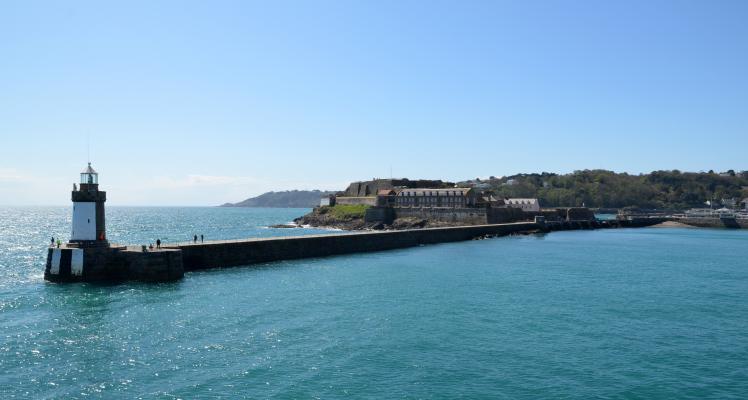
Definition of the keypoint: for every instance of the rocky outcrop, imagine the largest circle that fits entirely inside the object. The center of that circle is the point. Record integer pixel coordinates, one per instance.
(321, 217)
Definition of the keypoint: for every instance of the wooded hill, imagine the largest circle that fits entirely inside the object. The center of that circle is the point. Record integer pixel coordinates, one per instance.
(601, 188)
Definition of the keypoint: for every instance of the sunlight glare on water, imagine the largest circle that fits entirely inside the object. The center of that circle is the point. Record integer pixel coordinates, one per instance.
(628, 313)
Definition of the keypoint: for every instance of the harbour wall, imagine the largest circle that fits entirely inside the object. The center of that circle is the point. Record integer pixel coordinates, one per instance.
(252, 251)
(704, 222)
(196, 256)
(112, 263)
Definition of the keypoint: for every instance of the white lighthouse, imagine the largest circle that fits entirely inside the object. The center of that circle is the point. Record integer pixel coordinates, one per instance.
(89, 228)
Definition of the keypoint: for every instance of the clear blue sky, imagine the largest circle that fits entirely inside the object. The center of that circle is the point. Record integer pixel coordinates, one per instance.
(198, 103)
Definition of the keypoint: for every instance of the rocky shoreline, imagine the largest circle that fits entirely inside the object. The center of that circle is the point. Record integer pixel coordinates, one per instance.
(320, 218)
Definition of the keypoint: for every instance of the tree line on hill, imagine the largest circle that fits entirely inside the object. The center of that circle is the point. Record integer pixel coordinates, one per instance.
(601, 188)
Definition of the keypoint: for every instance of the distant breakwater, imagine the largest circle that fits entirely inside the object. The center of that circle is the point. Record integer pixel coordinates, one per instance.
(714, 222)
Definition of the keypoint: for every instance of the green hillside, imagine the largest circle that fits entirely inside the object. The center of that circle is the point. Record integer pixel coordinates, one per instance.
(601, 188)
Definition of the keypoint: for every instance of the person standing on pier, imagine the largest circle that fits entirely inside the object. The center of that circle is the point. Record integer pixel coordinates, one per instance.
(194, 238)
(158, 243)
(202, 238)
(52, 243)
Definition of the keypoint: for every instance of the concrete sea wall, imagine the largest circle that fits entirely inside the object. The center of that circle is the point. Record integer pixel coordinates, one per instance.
(502, 215)
(154, 266)
(715, 222)
(252, 251)
(112, 263)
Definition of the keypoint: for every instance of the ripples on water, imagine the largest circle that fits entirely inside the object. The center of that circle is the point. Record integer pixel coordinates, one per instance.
(647, 313)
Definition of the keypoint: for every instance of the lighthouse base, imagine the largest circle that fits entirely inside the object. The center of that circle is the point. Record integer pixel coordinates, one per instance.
(73, 263)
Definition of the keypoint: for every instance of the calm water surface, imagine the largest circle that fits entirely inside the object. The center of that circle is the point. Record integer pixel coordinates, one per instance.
(641, 314)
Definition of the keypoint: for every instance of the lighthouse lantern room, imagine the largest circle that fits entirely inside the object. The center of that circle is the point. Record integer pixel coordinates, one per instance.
(89, 227)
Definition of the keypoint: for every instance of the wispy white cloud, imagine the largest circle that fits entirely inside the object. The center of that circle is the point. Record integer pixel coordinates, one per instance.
(20, 187)
(13, 175)
(191, 181)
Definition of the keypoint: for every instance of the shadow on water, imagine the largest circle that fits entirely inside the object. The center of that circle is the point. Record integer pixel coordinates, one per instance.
(100, 298)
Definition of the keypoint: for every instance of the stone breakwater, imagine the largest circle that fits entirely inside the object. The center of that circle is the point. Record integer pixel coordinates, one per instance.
(734, 223)
(254, 251)
(119, 263)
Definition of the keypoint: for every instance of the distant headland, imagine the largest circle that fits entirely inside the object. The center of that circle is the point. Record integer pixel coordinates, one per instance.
(283, 199)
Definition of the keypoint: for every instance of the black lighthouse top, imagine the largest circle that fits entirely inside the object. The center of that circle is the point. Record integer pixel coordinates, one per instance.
(89, 186)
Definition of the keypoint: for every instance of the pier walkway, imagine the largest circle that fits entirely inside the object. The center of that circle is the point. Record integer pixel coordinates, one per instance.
(226, 253)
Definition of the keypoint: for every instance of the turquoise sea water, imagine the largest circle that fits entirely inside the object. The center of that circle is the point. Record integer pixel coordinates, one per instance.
(651, 313)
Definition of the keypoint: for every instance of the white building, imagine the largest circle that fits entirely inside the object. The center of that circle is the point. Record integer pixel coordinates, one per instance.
(327, 201)
(530, 205)
(429, 198)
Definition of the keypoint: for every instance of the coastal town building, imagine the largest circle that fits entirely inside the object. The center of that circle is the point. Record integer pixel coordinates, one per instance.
(492, 201)
(451, 197)
(528, 205)
(710, 213)
(729, 203)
